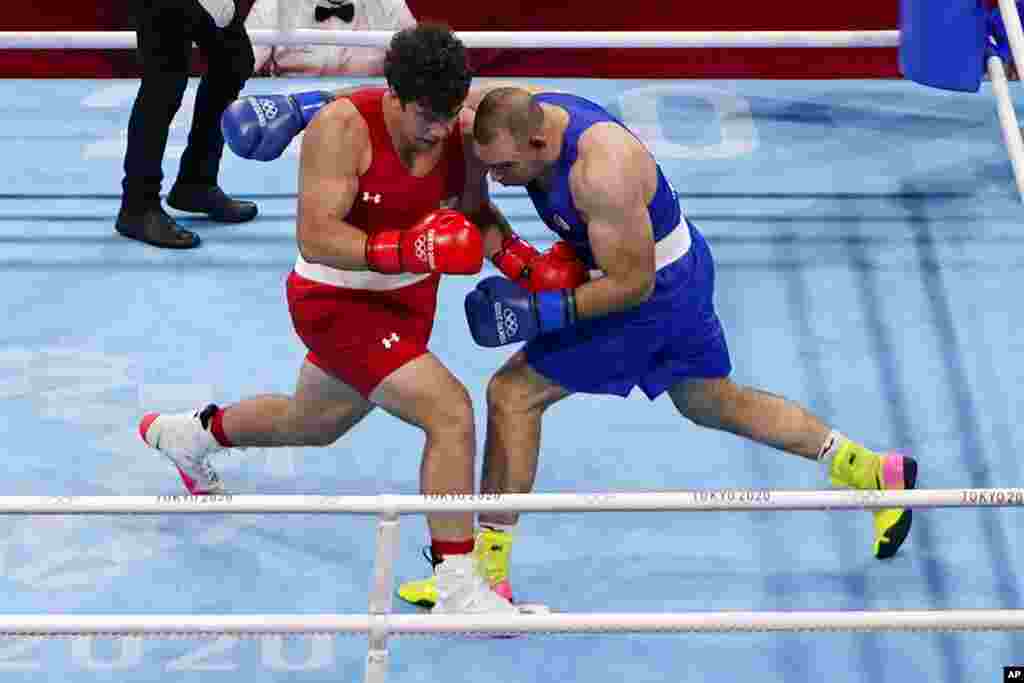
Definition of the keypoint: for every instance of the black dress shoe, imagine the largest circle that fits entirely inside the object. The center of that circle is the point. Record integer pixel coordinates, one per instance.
(211, 200)
(155, 227)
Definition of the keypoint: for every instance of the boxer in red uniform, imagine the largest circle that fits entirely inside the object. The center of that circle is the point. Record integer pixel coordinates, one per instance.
(383, 199)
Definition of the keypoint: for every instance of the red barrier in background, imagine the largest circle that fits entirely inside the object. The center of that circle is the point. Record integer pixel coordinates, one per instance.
(670, 15)
(804, 15)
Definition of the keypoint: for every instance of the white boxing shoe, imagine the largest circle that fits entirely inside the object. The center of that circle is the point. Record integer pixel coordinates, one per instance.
(185, 439)
(462, 590)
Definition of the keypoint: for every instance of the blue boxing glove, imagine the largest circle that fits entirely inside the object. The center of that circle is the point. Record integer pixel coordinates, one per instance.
(262, 126)
(501, 312)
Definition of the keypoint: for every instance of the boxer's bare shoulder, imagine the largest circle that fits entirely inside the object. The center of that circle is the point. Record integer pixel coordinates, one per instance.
(338, 135)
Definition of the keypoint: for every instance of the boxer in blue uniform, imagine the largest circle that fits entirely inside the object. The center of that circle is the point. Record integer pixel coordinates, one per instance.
(650, 342)
(644, 318)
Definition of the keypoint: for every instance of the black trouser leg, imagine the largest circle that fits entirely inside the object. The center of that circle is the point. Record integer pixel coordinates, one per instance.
(163, 48)
(230, 62)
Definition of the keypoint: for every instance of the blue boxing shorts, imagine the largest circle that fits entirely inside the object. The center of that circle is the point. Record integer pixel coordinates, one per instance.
(672, 336)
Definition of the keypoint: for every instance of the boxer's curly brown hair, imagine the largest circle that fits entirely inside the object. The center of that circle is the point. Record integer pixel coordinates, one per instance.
(428, 64)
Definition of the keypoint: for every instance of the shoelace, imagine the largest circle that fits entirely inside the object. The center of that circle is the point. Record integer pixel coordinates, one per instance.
(491, 571)
(202, 464)
(491, 567)
(429, 556)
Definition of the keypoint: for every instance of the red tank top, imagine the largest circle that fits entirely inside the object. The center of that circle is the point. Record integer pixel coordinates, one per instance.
(389, 196)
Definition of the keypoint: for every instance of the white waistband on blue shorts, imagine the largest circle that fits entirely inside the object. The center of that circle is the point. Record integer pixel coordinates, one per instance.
(667, 250)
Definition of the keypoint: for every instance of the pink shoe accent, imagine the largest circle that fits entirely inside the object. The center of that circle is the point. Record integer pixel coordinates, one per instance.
(892, 471)
(504, 589)
(190, 483)
(147, 420)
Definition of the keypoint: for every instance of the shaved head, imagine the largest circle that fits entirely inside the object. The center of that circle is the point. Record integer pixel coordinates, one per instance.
(507, 109)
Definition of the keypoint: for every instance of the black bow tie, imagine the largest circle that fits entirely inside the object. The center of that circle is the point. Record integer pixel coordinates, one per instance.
(344, 12)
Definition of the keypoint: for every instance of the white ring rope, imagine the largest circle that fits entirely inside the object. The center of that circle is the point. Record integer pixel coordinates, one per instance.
(184, 625)
(380, 623)
(490, 39)
(697, 500)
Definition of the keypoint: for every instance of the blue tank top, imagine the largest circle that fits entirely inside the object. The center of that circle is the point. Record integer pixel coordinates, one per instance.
(558, 211)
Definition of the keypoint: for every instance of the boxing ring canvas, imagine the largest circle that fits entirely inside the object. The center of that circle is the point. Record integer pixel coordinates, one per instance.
(869, 262)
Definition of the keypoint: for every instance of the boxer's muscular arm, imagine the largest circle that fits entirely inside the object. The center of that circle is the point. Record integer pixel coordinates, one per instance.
(335, 152)
(610, 186)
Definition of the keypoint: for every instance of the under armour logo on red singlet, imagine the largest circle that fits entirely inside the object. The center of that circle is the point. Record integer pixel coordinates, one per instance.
(388, 341)
(368, 197)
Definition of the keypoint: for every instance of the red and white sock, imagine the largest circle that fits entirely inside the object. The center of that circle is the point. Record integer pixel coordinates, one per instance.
(443, 549)
(217, 429)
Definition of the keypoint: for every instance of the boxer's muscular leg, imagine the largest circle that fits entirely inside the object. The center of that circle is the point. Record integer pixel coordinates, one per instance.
(320, 412)
(720, 403)
(517, 397)
(424, 393)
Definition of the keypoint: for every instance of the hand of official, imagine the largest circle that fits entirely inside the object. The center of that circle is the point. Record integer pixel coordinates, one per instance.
(501, 312)
(262, 126)
(443, 241)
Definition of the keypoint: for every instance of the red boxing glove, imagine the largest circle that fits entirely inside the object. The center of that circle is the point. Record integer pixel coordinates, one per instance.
(557, 268)
(513, 259)
(443, 241)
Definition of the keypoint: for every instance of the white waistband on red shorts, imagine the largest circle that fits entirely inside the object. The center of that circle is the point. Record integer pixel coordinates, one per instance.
(355, 279)
(667, 250)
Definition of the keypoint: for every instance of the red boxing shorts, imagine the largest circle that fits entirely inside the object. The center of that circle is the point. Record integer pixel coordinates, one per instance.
(361, 336)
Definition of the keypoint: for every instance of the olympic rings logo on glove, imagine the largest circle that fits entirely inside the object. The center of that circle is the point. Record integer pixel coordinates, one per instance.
(511, 322)
(424, 247)
(268, 109)
(507, 322)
